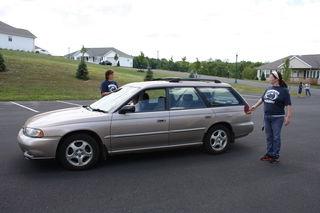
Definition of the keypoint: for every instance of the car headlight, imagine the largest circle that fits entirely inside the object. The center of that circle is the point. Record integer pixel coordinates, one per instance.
(33, 132)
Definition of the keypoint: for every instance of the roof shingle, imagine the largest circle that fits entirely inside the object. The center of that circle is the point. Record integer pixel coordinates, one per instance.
(9, 30)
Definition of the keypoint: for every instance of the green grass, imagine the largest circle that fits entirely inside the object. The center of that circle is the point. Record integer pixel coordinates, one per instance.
(40, 77)
(242, 88)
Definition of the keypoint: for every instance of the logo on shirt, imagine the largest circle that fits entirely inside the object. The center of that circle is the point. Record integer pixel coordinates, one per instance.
(271, 96)
(112, 87)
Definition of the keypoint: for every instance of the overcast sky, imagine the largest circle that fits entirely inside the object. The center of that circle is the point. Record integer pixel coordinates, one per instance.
(258, 30)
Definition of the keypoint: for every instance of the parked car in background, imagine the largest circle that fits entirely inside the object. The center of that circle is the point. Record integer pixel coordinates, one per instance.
(162, 114)
(105, 63)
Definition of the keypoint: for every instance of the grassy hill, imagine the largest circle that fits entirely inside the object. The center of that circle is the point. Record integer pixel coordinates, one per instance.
(39, 77)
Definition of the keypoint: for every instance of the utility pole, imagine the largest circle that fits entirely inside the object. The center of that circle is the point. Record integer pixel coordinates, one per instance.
(158, 54)
(236, 80)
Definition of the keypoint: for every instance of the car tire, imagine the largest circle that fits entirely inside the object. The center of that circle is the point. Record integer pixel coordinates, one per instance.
(217, 139)
(78, 152)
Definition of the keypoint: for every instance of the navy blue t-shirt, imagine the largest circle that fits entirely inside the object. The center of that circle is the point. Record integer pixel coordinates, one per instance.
(275, 99)
(108, 86)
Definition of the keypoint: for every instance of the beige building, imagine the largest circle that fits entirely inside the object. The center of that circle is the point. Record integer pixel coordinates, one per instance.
(305, 68)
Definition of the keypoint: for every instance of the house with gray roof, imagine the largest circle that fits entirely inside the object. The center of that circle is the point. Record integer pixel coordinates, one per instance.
(104, 55)
(16, 38)
(305, 68)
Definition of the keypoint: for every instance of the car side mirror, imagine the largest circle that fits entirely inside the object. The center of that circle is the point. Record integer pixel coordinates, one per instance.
(127, 108)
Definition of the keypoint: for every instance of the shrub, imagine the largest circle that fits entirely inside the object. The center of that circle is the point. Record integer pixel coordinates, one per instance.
(82, 71)
(118, 64)
(191, 75)
(2, 64)
(149, 75)
(263, 77)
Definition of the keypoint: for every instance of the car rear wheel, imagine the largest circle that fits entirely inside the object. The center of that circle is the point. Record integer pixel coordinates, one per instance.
(217, 139)
(78, 152)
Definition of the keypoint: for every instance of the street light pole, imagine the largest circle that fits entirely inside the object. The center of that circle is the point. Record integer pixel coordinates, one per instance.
(235, 80)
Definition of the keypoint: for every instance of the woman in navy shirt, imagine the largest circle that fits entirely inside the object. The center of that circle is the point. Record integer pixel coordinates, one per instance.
(109, 85)
(276, 98)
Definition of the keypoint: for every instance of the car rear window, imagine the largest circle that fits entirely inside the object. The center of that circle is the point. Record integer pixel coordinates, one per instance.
(219, 96)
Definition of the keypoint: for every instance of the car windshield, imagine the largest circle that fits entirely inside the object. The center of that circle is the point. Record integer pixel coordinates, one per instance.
(114, 99)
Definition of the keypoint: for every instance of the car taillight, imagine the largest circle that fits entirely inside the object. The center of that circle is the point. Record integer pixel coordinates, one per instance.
(246, 109)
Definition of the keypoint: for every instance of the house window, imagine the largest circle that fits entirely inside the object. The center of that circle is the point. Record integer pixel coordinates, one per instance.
(10, 38)
(318, 74)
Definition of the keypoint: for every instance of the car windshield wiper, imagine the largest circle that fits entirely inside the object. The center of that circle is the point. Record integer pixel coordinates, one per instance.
(98, 110)
(94, 109)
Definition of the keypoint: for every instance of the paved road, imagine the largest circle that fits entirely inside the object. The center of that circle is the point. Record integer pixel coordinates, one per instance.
(185, 180)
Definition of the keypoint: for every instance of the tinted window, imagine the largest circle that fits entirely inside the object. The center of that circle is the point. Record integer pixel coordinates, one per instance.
(150, 100)
(185, 98)
(219, 96)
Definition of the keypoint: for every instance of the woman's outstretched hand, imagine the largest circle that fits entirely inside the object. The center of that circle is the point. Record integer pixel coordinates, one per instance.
(251, 109)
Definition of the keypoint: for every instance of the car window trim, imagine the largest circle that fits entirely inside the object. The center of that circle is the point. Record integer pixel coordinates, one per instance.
(139, 92)
(231, 90)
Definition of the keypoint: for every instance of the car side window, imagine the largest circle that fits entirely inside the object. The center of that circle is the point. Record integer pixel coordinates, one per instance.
(219, 97)
(185, 98)
(149, 100)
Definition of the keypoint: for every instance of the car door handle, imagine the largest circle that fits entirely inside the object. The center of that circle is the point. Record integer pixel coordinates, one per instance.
(208, 116)
(161, 121)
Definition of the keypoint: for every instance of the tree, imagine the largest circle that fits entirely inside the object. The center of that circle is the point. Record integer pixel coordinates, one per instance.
(197, 65)
(140, 61)
(82, 71)
(149, 75)
(2, 64)
(249, 73)
(116, 57)
(286, 69)
(83, 51)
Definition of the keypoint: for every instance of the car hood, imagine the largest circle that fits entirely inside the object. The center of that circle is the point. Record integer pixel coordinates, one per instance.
(65, 116)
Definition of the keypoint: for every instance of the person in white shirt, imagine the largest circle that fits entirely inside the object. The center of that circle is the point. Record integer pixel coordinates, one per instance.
(307, 87)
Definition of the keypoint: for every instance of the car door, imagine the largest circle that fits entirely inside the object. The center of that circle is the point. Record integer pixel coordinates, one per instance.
(189, 116)
(145, 128)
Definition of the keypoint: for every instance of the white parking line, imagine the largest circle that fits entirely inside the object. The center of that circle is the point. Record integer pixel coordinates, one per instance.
(65, 102)
(33, 110)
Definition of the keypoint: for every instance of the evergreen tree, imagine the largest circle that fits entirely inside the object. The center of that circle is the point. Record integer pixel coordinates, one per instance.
(149, 75)
(286, 69)
(118, 64)
(82, 71)
(116, 57)
(263, 77)
(2, 64)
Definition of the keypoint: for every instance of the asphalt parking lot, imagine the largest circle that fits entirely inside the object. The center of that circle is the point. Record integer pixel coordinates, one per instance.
(186, 180)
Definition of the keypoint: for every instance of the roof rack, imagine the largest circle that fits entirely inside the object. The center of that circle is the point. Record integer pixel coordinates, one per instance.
(174, 80)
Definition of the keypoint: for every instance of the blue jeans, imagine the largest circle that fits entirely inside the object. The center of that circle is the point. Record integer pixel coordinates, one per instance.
(272, 126)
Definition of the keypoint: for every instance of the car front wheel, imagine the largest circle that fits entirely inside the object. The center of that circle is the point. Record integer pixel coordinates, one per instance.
(217, 139)
(78, 152)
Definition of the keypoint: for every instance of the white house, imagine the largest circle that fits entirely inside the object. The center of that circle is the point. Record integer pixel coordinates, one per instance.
(305, 68)
(105, 55)
(15, 38)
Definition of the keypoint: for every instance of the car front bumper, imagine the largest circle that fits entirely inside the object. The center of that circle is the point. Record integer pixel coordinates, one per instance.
(38, 148)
